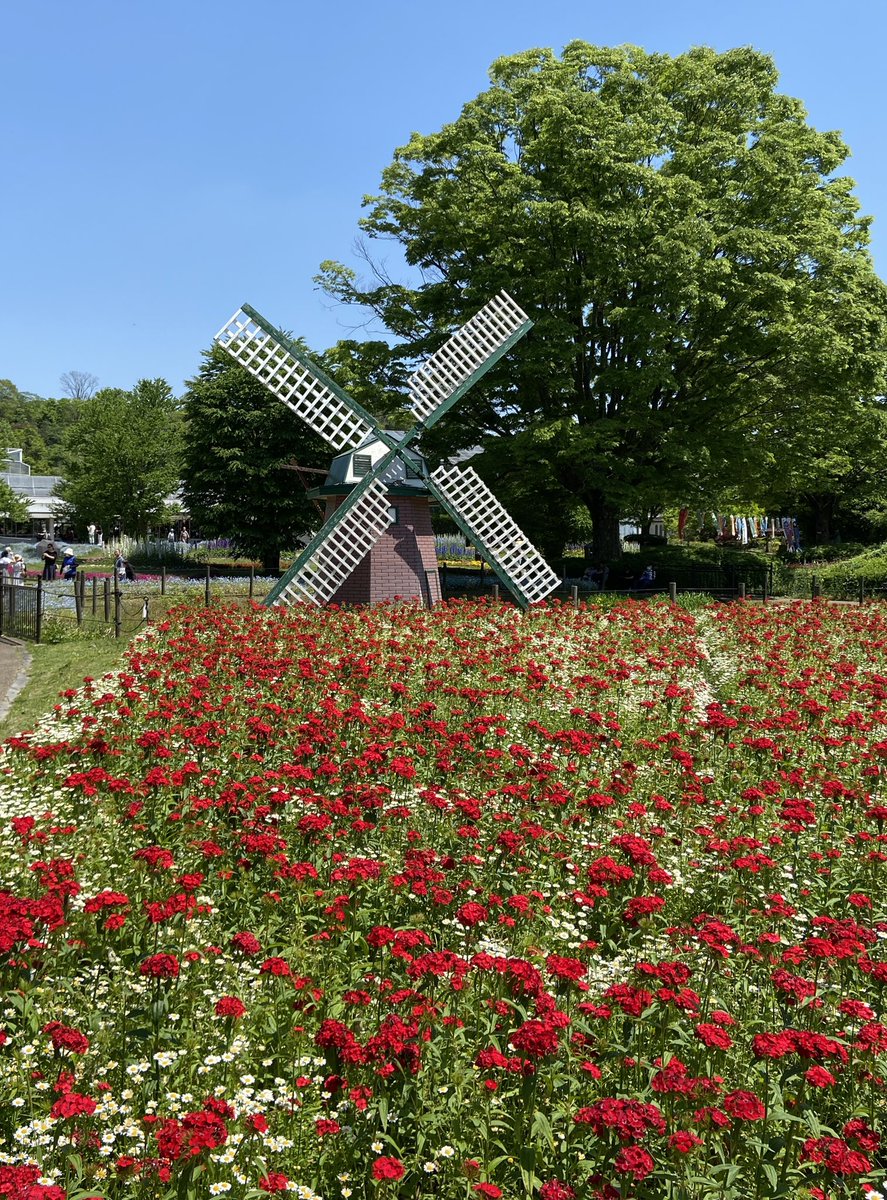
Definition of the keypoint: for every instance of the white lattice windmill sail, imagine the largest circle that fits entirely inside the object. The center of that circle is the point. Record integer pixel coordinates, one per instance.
(470, 352)
(340, 551)
(300, 384)
(501, 539)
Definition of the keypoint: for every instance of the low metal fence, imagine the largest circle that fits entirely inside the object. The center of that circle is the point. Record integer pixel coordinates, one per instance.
(21, 609)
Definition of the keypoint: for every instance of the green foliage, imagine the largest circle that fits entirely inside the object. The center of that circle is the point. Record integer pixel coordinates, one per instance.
(841, 578)
(696, 269)
(123, 457)
(235, 478)
(12, 507)
(368, 373)
(36, 426)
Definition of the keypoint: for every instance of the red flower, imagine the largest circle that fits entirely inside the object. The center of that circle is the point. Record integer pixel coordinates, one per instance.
(471, 913)
(73, 1105)
(247, 943)
(819, 1077)
(275, 966)
(535, 1038)
(835, 1155)
(230, 1006)
(160, 966)
(634, 1161)
(713, 1035)
(274, 1182)
(555, 1190)
(744, 1105)
(388, 1168)
(65, 1038)
(488, 1190)
(683, 1141)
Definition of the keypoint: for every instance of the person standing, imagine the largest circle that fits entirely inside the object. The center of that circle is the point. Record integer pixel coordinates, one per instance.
(90, 532)
(50, 557)
(171, 536)
(99, 536)
(17, 569)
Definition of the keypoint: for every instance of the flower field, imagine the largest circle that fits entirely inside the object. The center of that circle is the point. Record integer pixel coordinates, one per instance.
(455, 903)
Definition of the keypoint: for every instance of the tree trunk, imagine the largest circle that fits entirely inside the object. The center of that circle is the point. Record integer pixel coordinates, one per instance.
(606, 544)
(823, 513)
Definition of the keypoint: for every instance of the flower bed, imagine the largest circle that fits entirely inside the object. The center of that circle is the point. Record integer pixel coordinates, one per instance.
(454, 903)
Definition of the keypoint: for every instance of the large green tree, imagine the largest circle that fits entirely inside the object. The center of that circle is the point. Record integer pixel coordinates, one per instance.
(123, 457)
(240, 447)
(696, 268)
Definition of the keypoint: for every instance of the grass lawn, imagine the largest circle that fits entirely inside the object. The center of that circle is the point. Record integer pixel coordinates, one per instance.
(55, 668)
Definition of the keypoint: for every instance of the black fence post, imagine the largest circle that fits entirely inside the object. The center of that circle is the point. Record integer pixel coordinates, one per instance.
(106, 595)
(672, 592)
(118, 622)
(163, 579)
(38, 623)
(252, 579)
(95, 588)
(742, 590)
(78, 600)
(815, 590)
(861, 594)
(574, 595)
(207, 594)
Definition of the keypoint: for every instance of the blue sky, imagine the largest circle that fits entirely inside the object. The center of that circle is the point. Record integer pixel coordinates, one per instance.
(165, 161)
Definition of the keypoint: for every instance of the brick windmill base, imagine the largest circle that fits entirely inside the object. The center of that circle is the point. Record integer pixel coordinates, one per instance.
(402, 563)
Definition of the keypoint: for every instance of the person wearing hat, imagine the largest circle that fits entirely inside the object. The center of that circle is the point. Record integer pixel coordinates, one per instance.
(6, 561)
(69, 563)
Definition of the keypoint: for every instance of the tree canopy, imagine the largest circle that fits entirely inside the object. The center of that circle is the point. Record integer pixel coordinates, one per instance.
(236, 479)
(36, 426)
(123, 457)
(12, 507)
(695, 265)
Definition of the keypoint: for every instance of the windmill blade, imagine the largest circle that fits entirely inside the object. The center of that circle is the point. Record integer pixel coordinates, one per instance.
(295, 379)
(482, 518)
(330, 558)
(469, 354)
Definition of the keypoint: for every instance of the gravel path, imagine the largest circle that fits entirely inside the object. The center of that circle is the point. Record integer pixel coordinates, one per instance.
(14, 664)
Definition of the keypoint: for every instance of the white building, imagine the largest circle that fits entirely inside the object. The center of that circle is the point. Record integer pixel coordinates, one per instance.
(36, 490)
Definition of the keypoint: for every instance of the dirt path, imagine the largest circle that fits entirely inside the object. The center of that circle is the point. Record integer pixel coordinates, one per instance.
(14, 664)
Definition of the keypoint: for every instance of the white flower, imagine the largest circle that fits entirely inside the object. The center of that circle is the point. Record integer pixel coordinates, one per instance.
(377, 1147)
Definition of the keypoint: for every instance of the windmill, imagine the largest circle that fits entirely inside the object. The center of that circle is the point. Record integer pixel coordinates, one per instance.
(357, 524)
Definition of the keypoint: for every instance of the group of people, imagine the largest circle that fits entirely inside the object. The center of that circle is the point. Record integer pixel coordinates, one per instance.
(95, 534)
(52, 568)
(12, 565)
